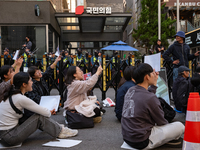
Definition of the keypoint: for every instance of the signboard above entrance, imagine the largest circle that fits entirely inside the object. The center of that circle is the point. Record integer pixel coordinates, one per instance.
(188, 4)
(99, 10)
(182, 3)
(193, 38)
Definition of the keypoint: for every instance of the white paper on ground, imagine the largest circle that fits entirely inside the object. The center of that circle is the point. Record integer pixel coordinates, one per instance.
(153, 61)
(50, 102)
(126, 146)
(63, 143)
(16, 55)
(2, 146)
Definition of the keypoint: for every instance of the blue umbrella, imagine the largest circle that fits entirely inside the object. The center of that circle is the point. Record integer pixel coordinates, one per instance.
(119, 46)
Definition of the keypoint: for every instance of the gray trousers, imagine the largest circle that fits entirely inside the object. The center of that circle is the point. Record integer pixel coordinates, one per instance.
(21, 132)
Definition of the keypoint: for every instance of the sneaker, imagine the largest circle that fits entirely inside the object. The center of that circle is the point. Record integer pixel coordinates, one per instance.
(67, 132)
(97, 119)
(175, 143)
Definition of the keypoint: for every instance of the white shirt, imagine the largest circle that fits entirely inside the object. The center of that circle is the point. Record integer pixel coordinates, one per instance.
(9, 118)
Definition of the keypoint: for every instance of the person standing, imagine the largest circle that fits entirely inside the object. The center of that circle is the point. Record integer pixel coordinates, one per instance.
(180, 52)
(159, 47)
(25, 54)
(6, 54)
(28, 43)
(95, 62)
(79, 59)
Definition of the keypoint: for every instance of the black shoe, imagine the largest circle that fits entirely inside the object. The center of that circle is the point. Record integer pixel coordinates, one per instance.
(175, 143)
(103, 110)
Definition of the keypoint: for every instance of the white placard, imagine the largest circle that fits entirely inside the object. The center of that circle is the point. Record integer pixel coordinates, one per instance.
(50, 102)
(57, 52)
(162, 90)
(16, 55)
(25, 69)
(153, 61)
(63, 143)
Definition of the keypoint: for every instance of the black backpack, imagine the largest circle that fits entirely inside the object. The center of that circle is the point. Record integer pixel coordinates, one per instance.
(169, 112)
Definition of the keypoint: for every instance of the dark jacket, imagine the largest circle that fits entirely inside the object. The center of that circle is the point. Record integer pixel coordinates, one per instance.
(37, 91)
(141, 111)
(180, 92)
(159, 46)
(120, 97)
(178, 51)
(195, 80)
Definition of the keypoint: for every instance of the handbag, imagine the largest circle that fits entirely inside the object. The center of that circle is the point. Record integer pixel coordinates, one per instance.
(169, 112)
(78, 121)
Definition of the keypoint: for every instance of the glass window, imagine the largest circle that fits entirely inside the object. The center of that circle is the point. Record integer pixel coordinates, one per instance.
(68, 20)
(69, 27)
(114, 20)
(112, 28)
(14, 37)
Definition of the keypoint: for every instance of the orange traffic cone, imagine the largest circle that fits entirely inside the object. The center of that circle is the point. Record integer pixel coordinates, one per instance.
(192, 126)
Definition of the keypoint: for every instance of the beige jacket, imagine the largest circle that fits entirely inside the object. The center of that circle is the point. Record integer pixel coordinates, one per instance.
(77, 92)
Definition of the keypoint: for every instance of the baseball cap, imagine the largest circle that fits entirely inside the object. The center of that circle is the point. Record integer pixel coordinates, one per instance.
(183, 68)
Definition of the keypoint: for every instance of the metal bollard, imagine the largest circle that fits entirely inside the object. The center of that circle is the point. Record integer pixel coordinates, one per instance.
(133, 60)
(44, 63)
(104, 78)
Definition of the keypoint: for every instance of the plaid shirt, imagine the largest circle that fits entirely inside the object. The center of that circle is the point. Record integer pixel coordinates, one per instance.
(4, 86)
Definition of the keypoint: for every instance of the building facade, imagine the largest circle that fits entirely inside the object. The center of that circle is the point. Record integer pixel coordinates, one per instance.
(53, 23)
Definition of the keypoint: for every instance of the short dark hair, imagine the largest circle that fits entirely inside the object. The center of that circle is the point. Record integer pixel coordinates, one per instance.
(158, 40)
(141, 71)
(32, 70)
(4, 71)
(70, 75)
(128, 72)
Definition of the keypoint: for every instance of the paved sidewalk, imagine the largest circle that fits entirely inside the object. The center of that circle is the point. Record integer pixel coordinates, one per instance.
(104, 136)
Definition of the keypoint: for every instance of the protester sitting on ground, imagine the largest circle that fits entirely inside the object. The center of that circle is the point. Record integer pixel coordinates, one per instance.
(77, 88)
(143, 123)
(11, 110)
(181, 88)
(128, 75)
(195, 80)
(6, 73)
(40, 86)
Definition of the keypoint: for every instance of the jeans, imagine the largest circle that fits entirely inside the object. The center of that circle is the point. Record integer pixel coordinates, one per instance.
(21, 132)
(175, 73)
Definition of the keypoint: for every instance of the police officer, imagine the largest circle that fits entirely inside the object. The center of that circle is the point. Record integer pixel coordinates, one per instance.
(95, 65)
(53, 57)
(86, 58)
(67, 58)
(25, 54)
(113, 65)
(79, 58)
(129, 58)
